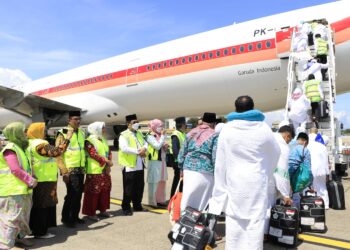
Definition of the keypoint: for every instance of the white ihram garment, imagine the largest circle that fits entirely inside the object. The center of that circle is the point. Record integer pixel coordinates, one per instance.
(298, 111)
(246, 155)
(279, 185)
(319, 168)
(197, 189)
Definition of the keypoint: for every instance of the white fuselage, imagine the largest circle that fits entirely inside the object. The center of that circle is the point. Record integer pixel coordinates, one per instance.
(131, 85)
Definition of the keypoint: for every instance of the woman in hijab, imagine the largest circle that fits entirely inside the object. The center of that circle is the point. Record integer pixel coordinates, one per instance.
(98, 183)
(16, 183)
(298, 106)
(156, 171)
(44, 159)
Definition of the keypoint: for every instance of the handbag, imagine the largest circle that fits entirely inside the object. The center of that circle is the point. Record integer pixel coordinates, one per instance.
(302, 177)
(174, 206)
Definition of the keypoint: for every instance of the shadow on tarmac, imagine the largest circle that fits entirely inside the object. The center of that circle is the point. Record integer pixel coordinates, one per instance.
(63, 233)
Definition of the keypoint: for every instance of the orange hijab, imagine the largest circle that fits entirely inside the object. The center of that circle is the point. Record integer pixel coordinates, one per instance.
(36, 130)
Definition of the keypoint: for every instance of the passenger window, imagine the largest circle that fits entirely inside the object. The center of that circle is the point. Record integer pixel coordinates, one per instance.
(225, 52)
(250, 47)
(196, 58)
(153, 66)
(233, 51)
(210, 54)
(159, 65)
(183, 60)
(268, 44)
(218, 53)
(203, 56)
(241, 49)
(259, 45)
(171, 63)
(189, 59)
(164, 64)
(177, 62)
(148, 67)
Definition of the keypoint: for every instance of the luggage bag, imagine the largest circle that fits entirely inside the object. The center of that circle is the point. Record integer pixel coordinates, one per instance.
(192, 231)
(312, 213)
(336, 195)
(284, 225)
(322, 110)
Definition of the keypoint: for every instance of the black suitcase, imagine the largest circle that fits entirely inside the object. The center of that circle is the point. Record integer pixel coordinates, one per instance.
(312, 213)
(322, 110)
(336, 195)
(284, 225)
(192, 231)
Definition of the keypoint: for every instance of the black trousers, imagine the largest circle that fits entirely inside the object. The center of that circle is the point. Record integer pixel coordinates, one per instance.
(175, 180)
(41, 219)
(314, 107)
(133, 185)
(72, 201)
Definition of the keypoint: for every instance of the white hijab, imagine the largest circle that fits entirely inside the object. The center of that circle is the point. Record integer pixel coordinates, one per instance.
(96, 129)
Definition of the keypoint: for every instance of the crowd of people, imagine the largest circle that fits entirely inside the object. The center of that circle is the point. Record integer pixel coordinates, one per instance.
(310, 48)
(238, 168)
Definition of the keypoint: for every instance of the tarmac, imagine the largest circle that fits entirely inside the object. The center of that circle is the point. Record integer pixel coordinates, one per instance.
(149, 230)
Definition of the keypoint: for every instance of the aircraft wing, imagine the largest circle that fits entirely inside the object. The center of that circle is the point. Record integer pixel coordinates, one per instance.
(30, 105)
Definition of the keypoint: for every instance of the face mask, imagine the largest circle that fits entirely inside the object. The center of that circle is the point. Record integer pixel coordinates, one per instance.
(159, 130)
(135, 126)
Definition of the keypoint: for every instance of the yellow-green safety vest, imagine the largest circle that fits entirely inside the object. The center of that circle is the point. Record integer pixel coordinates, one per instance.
(180, 136)
(44, 168)
(102, 148)
(311, 90)
(74, 157)
(322, 48)
(130, 160)
(9, 183)
(152, 152)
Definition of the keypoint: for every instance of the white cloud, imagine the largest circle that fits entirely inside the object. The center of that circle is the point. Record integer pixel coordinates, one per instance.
(11, 38)
(12, 77)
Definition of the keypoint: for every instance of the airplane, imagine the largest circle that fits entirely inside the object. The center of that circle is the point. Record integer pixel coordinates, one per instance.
(182, 77)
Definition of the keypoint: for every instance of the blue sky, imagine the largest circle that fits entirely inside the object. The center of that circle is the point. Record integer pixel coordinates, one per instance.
(42, 37)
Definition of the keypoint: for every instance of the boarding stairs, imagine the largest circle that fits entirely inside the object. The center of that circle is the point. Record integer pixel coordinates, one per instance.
(296, 78)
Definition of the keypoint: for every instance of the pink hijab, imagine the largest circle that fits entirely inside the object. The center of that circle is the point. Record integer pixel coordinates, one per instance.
(153, 125)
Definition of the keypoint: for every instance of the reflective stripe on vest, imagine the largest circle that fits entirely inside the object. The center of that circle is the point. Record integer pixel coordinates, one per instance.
(311, 90)
(74, 157)
(93, 166)
(322, 48)
(9, 183)
(44, 168)
(130, 160)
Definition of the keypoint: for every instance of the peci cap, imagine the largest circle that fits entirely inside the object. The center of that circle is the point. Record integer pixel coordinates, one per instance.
(180, 120)
(129, 118)
(209, 117)
(74, 113)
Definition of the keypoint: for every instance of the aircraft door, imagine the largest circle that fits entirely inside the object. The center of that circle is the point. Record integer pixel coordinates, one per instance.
(131, 74)
(283, 41)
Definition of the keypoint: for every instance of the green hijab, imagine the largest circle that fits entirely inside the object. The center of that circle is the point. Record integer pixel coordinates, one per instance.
(14, 132)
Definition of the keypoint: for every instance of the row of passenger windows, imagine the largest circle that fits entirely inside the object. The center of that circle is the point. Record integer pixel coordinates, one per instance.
(206, 55)
(84, 82)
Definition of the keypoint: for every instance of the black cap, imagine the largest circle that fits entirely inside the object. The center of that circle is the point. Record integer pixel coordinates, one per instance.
(129, 118)
(180, 120)
(209, 117)
(74, 113)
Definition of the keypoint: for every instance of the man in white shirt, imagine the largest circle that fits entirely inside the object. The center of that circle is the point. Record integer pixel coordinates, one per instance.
(247, 153)
(131, 154)
(279, 185)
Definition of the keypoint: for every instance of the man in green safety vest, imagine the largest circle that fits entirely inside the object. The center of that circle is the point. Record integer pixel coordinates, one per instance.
(313, 91)
(73, 170)
(177, 139)
(321, 51)
(131, 156)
